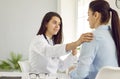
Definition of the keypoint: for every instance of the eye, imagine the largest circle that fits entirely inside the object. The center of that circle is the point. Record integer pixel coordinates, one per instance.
(54, 22)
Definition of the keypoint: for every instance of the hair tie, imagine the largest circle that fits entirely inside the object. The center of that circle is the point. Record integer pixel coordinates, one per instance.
(110, 9)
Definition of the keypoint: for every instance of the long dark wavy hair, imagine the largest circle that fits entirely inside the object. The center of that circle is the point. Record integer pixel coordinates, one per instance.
(48, 16)
(103, 7)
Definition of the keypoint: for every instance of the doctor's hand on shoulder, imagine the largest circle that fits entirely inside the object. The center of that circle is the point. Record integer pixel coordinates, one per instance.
(86, 37)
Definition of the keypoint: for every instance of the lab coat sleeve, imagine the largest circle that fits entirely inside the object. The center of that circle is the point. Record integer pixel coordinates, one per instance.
(40, 45)
(67, 63)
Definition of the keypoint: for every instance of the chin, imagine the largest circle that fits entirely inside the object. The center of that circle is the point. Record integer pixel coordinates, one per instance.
(91, 27)
(55, 33)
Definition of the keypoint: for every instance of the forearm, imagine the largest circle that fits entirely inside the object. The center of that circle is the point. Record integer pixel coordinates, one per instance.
(73, 45)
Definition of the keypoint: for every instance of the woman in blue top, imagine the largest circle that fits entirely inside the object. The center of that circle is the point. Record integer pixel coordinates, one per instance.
(104, 49)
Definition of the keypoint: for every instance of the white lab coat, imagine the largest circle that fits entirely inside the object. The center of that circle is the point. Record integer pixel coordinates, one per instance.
(45, 58)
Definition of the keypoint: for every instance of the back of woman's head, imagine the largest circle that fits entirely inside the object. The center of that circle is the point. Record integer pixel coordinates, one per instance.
(105, 10)
(102, 7)
(48, 16)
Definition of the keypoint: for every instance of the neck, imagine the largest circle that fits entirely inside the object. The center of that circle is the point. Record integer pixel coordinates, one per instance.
(97, 25)
(100, 24)
(48, 35)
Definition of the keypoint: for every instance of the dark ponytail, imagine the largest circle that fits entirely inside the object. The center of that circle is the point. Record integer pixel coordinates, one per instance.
(115, 25)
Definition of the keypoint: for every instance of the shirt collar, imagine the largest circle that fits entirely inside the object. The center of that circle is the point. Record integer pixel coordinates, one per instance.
(103, 27)
(50, 40)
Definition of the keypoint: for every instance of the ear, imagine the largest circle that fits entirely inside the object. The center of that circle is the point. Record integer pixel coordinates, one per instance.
(97, 15)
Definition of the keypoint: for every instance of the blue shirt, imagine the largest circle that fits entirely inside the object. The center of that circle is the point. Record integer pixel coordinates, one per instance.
(101, 51)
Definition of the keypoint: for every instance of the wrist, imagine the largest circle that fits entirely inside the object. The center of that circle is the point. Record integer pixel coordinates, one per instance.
(78, 43)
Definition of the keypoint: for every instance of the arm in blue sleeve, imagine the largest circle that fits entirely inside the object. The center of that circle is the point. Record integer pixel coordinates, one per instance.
(87, 55)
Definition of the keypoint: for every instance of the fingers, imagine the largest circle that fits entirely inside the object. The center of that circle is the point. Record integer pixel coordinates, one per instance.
(86, 37)
(71, 68)
(74, 52)
(88, 34)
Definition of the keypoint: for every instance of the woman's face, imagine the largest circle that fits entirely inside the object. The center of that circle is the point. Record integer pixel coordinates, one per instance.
(91, 19)
(53, 26)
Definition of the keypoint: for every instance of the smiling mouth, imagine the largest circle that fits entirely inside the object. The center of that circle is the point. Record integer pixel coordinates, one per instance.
(56, 30)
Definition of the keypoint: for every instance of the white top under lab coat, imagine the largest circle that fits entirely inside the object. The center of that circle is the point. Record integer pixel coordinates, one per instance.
(45, 58)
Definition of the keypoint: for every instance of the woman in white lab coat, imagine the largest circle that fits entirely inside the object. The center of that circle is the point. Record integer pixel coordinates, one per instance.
(46, 48)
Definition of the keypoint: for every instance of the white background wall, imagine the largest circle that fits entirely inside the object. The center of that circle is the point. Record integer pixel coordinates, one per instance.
(112, 5)
(19, 23)
(68, 10)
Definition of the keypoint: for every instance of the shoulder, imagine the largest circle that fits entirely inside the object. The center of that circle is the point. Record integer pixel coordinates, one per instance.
(102, 32)
(99, 35)
(92, 43)
(38, 39)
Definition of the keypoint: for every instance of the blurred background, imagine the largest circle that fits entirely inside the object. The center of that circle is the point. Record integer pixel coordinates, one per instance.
(20, 21)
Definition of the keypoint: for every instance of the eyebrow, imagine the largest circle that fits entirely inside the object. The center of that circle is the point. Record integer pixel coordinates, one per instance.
(56, 21)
